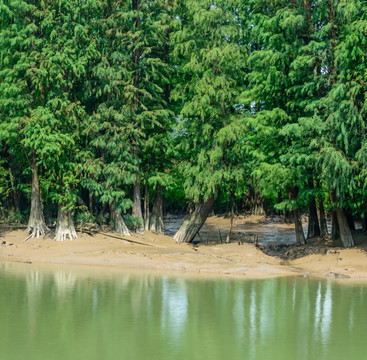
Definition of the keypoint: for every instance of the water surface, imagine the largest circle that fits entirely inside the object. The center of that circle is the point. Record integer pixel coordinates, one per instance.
(65, 313)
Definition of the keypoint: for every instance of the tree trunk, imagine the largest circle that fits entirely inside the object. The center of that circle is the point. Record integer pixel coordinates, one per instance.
(345, 234)
(16, 194)
(194, 222)
(228, 238)
(137, 205)
(258, 205)
(191, 207)
(102, 210)
(300, 236)
(118, 222)
(279, 212)
(334, 226)
(364, 223)
(313, 221)
(288, 216)
(90, 203)
(350, 220)
(231, 204)
(146, 208)
(156, 223)
(323, 224)
(36, 223)
(65, 226)
(16, 200)
(136, 54)
(256, 201)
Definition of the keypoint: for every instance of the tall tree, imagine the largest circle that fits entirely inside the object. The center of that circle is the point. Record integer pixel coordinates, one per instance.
(64, 58)
(21, 96)
(109, 164)
(128, 80)
(212, 62)
(344, 136)
(147, 41)
(287, 81)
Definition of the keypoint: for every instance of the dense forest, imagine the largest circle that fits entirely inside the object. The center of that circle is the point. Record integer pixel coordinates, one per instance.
(116, 111)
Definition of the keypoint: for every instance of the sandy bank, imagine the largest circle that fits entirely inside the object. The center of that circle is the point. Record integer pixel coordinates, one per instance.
(244, 260)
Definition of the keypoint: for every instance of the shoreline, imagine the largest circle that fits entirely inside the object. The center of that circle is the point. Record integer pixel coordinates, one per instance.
(216, 260)
(88, 251)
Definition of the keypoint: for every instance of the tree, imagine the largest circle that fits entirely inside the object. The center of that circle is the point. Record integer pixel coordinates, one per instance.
(128, 80)
(21, 96)
(109, 163)
(344, 137)
(286, 84)
(212, 62)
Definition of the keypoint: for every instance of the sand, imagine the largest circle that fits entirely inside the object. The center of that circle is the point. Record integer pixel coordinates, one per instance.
(209, 258)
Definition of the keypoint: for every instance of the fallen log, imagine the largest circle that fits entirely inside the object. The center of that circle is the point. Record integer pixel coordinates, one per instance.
(94, 232)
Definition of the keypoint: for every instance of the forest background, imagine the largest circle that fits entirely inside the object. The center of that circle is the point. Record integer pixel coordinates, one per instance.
(115, 111)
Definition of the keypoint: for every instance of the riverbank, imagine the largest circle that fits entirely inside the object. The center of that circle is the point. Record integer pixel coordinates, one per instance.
(240, 258)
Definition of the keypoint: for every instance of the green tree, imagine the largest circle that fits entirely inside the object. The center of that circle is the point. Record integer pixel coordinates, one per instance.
(128, 81)
(286, 84)
(344, 132)
(212, 62)
(45, 52)
(21, 96)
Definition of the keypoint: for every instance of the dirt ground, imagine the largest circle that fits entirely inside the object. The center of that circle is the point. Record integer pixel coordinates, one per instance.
(242, 257)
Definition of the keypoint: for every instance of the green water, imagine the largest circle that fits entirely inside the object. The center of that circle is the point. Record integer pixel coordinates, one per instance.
(74, 314)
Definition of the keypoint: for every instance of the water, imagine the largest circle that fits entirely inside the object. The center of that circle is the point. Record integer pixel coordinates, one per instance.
(265, 233)
(268, 233)
(98, 314)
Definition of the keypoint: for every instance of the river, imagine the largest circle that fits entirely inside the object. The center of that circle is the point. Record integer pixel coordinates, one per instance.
(64, 313)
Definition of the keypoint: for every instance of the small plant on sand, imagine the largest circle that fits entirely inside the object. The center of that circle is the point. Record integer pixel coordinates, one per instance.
(15, 218)
(84, 218)
(102, 219)
(133, 223)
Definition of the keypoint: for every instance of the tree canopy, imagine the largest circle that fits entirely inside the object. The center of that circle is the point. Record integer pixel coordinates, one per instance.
(182, 104)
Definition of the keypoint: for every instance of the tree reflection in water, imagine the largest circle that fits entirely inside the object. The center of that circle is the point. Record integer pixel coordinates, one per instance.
(151, 317)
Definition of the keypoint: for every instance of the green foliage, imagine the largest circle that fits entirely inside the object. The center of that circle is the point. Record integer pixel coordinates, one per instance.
(203, 98)
(102, 219)
(5, 184)
(127, 123)
(15, 218)
(210, 130)
(344, 136)
(132, 222)
(84, 218)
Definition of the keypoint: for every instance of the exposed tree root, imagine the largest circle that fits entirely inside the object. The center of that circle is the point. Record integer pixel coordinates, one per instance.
(36, 228)
(136, 211)
(65, 226)
(36, 224)
(119, 224)
(156, 223)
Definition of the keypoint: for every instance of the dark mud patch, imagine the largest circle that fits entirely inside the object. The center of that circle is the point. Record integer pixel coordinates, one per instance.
(275, 219)
(292, 252)
(314, 246)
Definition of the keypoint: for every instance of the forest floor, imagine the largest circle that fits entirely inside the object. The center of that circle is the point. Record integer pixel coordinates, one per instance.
(253, 238)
